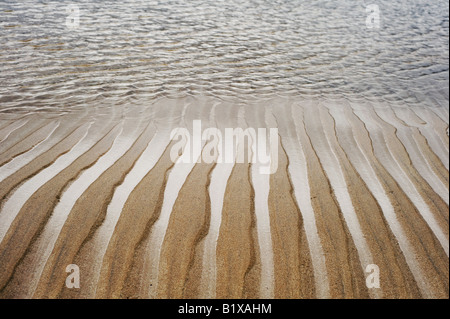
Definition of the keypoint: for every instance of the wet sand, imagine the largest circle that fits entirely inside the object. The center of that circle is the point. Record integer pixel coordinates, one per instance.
(358, 182)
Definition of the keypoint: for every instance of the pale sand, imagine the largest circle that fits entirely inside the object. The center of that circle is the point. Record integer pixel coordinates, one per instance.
(358, 182)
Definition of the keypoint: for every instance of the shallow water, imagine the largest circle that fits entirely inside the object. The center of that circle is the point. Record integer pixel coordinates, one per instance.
(136, 51)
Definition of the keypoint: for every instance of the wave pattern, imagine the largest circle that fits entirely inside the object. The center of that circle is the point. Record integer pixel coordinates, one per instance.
(86, 175)
(137, 50)
(358, 183)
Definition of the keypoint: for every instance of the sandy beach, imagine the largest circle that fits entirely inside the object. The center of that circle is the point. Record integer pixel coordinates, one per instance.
(359, 182)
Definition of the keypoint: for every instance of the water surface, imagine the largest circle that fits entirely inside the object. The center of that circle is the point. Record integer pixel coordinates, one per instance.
(136, 51)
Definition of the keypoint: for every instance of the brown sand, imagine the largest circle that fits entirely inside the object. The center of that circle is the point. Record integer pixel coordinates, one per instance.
(403, 230)
(294, 274)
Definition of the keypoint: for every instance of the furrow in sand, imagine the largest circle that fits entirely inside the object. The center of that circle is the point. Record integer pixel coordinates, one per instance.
(4, 123)
(122, 268)
(105, 233)
(198, 282)
(339, 173)
(44, 160)
(413, 235)
(17, 132)
(188, 225)
(66, 126)
(106, 240)
(219, 180)
(345, 274)
(238, 266)
(357, 183)
(133, 278)
(7, 130)
(15, 202)
(66, 240)
(30, 206)
(26, 141)
(21, 160)
(373, 207)
(293, 270)
(260, 269)
(252, 283)
(139, 212)
(260, 180)
(294, 276)
(218, 183)
(416, 150)
(441, 110)
(433, 161)
(429, 204)
(298, 172)
(435, 131)
(422, 133)
(191, 155)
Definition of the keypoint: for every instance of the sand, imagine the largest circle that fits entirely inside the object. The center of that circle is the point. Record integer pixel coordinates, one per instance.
(358, 182)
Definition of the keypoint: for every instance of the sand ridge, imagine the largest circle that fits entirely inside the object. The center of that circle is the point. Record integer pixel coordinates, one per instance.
(358, 182)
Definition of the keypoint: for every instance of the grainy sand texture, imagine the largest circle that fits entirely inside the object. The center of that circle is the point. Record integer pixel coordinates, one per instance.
(358, 182)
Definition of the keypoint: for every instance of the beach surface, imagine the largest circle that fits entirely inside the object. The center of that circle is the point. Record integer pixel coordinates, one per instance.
(358, 183)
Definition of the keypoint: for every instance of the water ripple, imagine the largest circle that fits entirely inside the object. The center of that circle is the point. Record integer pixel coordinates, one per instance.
(145, 49)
